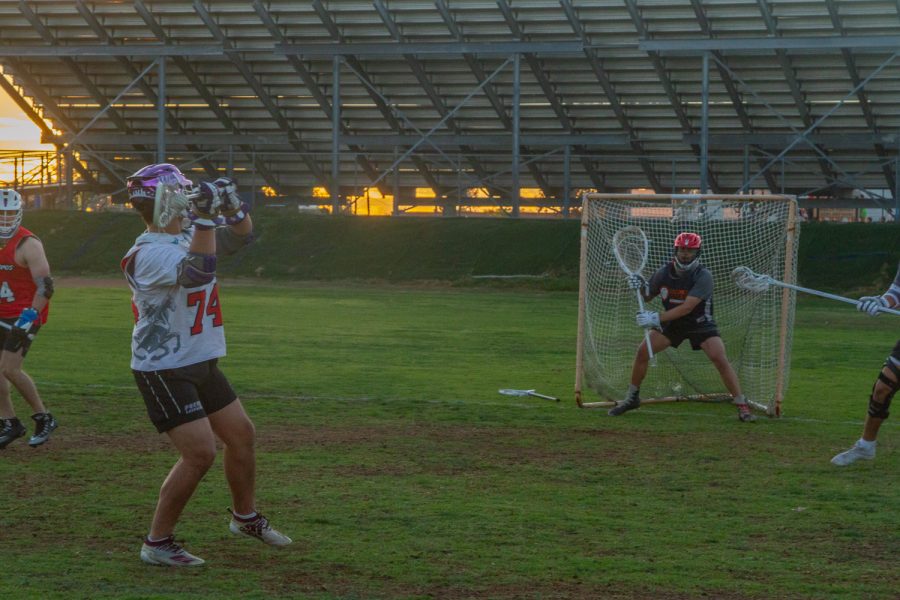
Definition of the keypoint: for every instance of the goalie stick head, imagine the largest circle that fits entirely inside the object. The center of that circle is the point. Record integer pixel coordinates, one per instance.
(630, 246)
(687, 246)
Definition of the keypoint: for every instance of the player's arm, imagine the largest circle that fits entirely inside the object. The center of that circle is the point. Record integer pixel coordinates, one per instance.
(239, 226)
(890, 299)
(198, 268)
(681, 310)
(33, 257)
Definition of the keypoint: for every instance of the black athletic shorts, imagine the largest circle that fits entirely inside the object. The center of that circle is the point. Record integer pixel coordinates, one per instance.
(177, 396)
(12, 342)
(677, 335)
(895, 354)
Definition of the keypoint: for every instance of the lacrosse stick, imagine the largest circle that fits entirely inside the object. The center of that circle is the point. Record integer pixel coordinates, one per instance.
(9, 327)
(630, 246)
(746, 279)
(508, 392)
(170, 203)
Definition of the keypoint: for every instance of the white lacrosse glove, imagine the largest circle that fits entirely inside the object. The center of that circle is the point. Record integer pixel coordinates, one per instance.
(233, 209)
(205, 206)
(871, 305)
(648, 318)
(636, 281)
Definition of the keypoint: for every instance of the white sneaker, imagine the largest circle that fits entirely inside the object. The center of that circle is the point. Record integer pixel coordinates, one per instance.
(854, 454)
(168, 553)
(259, 528)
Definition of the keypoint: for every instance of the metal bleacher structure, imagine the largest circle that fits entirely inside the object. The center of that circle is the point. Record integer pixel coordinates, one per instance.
(315, 101)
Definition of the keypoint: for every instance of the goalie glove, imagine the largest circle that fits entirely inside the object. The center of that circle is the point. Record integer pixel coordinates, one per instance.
(871, 305)
(648, 318)
(205, 205)
(636, 281)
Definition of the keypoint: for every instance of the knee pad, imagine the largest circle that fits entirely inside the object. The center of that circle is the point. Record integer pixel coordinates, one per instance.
(879, 410)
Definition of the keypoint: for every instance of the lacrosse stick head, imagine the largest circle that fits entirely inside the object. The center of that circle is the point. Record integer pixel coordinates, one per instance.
(746, 279)
(631, 247)
(163, 185)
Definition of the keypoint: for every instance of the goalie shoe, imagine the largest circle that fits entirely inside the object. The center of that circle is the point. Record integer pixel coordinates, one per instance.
(257, 527)
(10, 429)
(631, 402)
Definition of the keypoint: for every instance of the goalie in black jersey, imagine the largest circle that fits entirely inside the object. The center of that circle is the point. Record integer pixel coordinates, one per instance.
(686, 289)
(886, 385)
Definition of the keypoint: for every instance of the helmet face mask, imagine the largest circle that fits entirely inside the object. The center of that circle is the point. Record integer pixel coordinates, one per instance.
(687, 249)
(10, 213)
(143, 188)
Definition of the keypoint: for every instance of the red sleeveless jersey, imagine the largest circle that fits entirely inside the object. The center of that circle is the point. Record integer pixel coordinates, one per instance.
(17, 288)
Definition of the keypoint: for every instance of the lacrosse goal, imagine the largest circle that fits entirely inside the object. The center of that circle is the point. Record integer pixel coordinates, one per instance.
(759, 232)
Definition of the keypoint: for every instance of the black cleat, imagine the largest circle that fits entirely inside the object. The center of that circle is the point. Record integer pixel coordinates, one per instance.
(630, 403)
(44, 424)
(10, 429)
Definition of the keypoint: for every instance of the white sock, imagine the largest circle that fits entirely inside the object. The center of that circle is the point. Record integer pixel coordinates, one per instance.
(246, 517)
(633, 389)
(866, 444)
(154, 540)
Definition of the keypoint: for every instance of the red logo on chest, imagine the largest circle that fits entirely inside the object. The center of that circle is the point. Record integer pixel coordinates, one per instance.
(668, 293)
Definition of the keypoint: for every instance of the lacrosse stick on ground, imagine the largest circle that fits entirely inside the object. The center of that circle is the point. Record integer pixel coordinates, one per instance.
(746, 279)
(508, 392)
(630, 246)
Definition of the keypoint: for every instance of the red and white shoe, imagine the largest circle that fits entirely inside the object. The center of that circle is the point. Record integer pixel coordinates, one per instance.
(258, 527)
(167, 553)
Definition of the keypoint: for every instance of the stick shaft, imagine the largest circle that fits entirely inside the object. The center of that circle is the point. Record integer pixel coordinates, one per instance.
(827, 295)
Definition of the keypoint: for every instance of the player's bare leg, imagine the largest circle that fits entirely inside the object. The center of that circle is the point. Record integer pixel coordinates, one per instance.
(632, 400)
(12, 373)
(714, 348)
(232, 425)
(197, 445)
(864, 448)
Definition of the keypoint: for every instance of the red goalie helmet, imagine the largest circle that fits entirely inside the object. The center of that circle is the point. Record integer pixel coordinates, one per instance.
(688, 241)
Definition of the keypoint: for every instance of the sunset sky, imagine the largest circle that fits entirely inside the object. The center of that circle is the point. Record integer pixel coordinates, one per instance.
(16, 131)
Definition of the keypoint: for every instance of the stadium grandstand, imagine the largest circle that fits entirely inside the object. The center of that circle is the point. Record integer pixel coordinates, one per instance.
(459, 106)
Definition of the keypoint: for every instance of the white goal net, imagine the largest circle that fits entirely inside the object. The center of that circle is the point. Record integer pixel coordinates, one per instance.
(758, 232)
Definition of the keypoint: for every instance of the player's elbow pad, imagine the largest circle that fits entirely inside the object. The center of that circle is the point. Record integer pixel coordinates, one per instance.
(44, 286)
(197, 270)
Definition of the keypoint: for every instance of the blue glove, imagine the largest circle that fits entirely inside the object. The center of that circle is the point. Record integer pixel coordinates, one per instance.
(871, 305)
(648, 318)
(26, 319)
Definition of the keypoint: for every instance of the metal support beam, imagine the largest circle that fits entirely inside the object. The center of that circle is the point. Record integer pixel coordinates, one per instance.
(750, 45)
(846, 141)
(516, 102)
(161, 110)
(704, 128)
(136, 50)
(335, 134)
(429, 49)
(567, 190)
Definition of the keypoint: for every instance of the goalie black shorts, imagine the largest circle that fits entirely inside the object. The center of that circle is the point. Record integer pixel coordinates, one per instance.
(677, 335)
(11, 342)
(177, 396)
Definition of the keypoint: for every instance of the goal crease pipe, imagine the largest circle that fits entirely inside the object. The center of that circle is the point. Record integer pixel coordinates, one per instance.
(664, 399)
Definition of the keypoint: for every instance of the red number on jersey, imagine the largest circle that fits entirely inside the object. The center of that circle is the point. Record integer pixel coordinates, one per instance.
(211, 308)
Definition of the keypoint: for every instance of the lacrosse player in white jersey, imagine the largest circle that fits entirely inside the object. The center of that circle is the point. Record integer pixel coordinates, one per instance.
(886, 385)
(177, 340)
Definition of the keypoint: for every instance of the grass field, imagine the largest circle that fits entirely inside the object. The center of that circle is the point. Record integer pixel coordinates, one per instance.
(386, 452)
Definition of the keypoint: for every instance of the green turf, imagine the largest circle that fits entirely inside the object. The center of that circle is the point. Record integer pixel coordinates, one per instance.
(386, 452)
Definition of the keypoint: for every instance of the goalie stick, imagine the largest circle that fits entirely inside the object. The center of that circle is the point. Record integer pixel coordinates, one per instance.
(631, 247)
